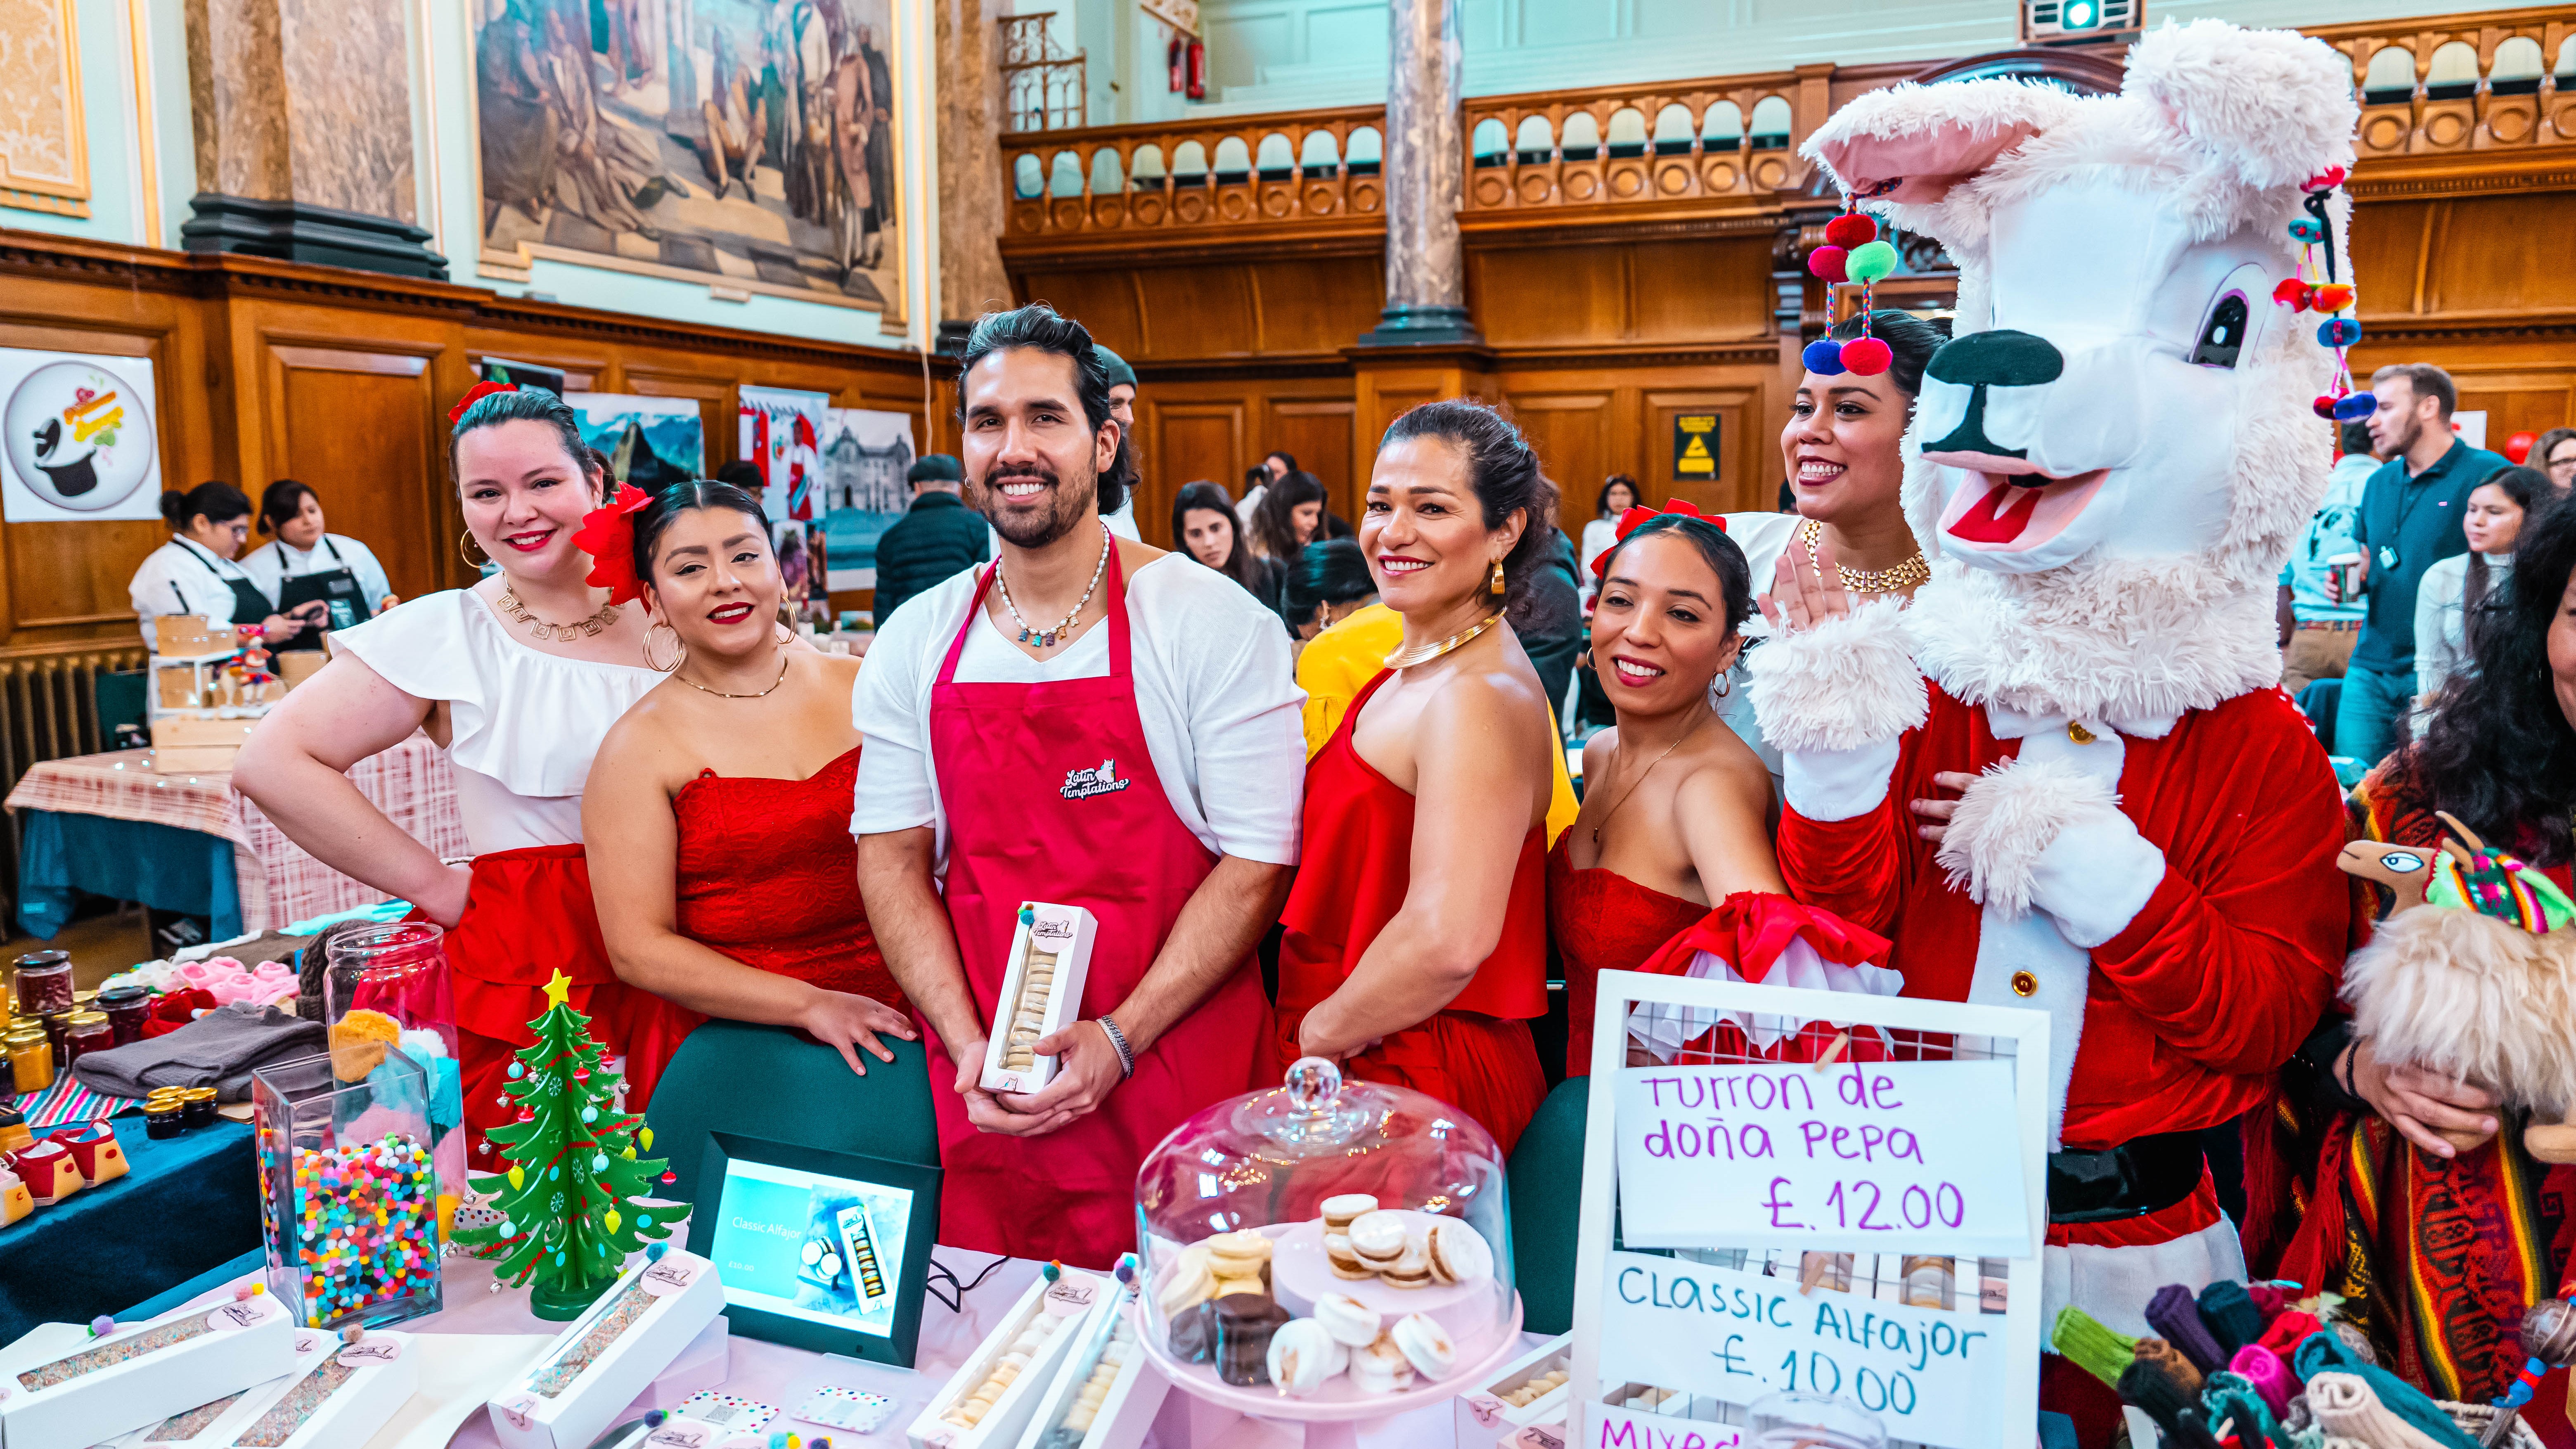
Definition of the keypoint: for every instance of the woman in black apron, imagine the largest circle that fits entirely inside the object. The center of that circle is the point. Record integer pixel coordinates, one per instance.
(339, 576)
(194, 573)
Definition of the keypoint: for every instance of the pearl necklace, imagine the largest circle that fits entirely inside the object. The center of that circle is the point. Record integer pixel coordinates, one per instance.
(1047, 638)
(1866, 581)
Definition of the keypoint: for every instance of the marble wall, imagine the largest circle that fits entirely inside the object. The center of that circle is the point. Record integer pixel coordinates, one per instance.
(304, 100)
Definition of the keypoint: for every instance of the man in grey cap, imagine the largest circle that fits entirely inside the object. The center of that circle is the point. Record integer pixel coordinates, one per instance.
(938, 536)
(1122, 411)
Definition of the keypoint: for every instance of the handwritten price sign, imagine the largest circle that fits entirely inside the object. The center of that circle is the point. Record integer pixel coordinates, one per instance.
(1881, 1156)
(1932, 1376)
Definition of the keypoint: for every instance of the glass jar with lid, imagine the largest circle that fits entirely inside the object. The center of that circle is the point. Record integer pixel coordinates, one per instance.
(1312, 1249)
(127, 1008)
(44, 982)
(31, 1057)
(85, 1032)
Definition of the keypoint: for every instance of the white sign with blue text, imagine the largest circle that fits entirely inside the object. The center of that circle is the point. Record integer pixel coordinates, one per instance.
(1932, 1376)
(1861, 1157)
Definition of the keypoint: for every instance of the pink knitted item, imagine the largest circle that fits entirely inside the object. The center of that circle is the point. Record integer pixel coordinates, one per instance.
(2271, 1378)
(2268, 1300)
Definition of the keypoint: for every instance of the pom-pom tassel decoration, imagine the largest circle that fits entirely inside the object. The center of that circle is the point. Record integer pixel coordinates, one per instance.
(1853, 252)
(2332, 297)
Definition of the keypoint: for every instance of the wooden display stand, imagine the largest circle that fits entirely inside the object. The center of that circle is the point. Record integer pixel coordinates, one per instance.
(199, 716)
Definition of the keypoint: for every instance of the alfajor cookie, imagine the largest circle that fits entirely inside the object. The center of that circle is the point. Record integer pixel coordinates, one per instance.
(1345, 1263)
(1424, 1345)
(1348, 1320)
(1381, 1368)
(1378, 1238)
(1411, 1269)
(1338, 1211)
(1458, 1253)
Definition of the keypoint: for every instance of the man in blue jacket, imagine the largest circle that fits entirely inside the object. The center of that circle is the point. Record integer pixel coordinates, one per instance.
(2410, 517)
(938, 536)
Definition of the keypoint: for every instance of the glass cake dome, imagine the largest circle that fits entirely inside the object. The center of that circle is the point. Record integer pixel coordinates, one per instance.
(1326, 1240)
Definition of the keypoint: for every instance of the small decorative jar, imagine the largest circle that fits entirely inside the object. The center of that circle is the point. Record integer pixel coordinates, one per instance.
(197, 1108)
(31, 1058)
(127, 1008)
(161, 1118)
(85, 1032)
(44, 981)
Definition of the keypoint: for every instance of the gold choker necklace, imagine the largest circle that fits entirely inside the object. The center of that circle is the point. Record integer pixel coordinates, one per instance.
(1407, 658)
(519, 613)
(1866, 581)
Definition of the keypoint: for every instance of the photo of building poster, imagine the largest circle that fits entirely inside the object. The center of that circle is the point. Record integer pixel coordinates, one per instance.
(865, 457)
(745, 144)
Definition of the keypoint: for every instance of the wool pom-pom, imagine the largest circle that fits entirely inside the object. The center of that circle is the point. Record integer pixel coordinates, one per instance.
(2307, 230)
(2353, 407)
(1829, 263)
(1823, 357)
(2339, 332)
(2294, 294)
(1851, 229)
(1869, 262)
(1867, 356)
(2332, 296)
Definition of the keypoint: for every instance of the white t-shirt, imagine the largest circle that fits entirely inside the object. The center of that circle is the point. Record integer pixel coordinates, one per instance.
(522, 724)
(1215, 692)
(271, 564)
(183, 577)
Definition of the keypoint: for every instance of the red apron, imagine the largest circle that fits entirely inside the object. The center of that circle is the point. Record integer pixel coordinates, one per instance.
(1004, 754)
(527, 912)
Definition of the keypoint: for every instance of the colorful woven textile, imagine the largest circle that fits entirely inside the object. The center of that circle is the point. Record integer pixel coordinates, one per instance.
(67, 1102)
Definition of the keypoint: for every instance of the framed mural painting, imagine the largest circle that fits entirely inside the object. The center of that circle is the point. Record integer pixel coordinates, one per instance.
(749, 145)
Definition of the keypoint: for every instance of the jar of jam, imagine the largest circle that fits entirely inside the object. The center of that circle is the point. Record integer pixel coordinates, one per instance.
(57, 1031)
(31, 1059)
(161, 1118)
(44, 981)
(85, 1032)
(197, 1108)
(127, 1008)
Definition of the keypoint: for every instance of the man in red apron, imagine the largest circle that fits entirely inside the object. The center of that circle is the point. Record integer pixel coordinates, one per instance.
(1090, 722)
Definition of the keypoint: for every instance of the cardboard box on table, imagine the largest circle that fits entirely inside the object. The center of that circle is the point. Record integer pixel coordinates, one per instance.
(244, 1343)
(1484, 1415)
(687, 1296)
(1067, 1301)
(384, 1375)
(1134, 1396)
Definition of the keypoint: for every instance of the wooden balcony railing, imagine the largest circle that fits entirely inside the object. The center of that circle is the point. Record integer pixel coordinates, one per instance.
(2497, 80)
(2501, 79)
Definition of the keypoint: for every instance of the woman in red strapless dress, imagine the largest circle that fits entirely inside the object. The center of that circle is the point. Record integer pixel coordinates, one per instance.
(718, 810)
(1416, 942)
(1669, 867)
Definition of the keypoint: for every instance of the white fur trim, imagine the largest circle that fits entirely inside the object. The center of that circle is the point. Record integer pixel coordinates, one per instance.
(1665, 1028)
(1830, 785)
(2114, 1284)
(2277, 106)
(1845, 682)
(2096, 876)
(2471, 997)
(2007, 817)
(2129, 640)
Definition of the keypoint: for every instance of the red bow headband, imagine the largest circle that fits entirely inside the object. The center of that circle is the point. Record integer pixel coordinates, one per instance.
(608, 535)
(1635, 518)
(476, 394)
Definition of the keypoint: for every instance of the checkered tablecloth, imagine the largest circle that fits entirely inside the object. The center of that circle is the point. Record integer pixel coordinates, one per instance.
(279, 883)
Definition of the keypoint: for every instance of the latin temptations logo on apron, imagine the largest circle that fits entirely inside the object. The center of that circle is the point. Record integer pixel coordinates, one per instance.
(1083, 784)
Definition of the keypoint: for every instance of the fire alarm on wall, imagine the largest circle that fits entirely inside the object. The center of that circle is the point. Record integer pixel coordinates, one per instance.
(2064, 22)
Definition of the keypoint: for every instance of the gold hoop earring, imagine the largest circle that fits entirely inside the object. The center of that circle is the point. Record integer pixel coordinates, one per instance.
(656, 665)
(1496, 588)
(466, 541)
(1722, 687)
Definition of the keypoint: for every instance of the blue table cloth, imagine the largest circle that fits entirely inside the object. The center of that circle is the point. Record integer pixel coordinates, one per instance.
(189, 1204)
(63, 854)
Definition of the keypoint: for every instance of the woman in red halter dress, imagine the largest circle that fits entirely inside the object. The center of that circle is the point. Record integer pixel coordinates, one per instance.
(718, 812)
(1416, 934)
(1668, 868)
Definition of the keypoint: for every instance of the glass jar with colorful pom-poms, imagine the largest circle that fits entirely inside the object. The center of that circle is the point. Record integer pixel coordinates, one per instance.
(349, 1196)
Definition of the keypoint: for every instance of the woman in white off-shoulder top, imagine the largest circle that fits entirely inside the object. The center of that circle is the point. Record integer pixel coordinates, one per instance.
(518, 678)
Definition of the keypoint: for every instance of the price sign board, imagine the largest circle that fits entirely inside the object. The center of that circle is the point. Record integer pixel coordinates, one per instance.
(1867, 1228)
(1859, 1155)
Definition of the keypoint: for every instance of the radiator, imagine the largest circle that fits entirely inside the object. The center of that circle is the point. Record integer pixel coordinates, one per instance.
(49, 709)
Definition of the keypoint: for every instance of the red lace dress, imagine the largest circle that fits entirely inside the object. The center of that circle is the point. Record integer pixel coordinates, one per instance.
(1603, 921)
(768, 875)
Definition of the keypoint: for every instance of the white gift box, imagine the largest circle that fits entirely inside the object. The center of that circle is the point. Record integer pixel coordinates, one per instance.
(1063, 932)
(1063, 1305)
(1484, 1414)
(371, 1380)
(1134, 1390)
(561, 1403)
(83, 1393)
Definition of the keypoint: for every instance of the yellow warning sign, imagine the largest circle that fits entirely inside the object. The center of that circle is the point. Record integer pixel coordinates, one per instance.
(1695, 446)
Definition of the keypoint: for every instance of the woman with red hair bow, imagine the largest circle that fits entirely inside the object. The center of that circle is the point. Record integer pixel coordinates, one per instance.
(517, 678)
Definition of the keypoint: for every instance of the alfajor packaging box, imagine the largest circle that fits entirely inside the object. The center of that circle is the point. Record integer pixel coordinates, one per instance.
(613, 1352)
(137, 1376)
(1041, 994)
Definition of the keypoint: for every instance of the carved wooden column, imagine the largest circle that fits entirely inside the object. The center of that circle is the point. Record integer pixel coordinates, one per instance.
(1426, 266)
(971, 204)
(303, 113)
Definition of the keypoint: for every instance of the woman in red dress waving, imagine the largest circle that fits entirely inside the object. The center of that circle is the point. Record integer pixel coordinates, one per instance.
(717, 815)
(1416, 942)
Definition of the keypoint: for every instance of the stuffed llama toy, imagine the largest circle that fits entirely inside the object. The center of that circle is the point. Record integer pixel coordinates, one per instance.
(2105, 469)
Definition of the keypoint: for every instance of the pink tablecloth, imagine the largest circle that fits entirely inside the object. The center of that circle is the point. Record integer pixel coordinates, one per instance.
(279, 883)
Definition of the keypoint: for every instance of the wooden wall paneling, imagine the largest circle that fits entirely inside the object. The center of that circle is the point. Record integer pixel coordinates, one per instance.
(1581, 436)
(357, 426)
(1317, 432)
(1748, 476)
(2516, 397)
(1189, 440)
(2387, 242)
(2499, 254)
(1318, 305)
(1526, 295)
(1700, 289)
(1106, 302)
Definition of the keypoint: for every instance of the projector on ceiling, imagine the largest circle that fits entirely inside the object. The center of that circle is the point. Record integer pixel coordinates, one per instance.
(2061, 22)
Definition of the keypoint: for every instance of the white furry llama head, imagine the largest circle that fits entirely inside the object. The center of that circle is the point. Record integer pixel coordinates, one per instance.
(2110, 459)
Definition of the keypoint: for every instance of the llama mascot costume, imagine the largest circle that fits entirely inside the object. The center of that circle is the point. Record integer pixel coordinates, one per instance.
(2106, 467)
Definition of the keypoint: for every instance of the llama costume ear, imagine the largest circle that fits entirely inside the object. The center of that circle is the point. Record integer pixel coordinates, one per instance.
(1910, 144)
(2275, 106)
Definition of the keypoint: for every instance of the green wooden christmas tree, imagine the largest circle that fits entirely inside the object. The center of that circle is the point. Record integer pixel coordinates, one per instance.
(569, 1215)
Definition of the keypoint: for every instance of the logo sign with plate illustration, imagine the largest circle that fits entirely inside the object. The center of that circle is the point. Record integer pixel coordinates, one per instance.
(370, 1350)
(79, 437)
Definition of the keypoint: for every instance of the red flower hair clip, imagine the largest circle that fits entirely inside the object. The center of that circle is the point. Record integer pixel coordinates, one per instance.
(607, 534)
(476, 394)
(1635, 518)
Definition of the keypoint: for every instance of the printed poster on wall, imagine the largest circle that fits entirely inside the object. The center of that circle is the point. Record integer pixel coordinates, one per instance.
(865, 457)
(651, 442)
(782, 433)
(82, 442)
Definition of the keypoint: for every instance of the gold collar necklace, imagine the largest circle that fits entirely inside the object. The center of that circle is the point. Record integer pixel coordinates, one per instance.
(543, 629)
(1866, 581)
(1419, 653)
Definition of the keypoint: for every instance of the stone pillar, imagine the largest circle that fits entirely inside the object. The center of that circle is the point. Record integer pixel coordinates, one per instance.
(971, 204)
(1426, 265)
(303, 114)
